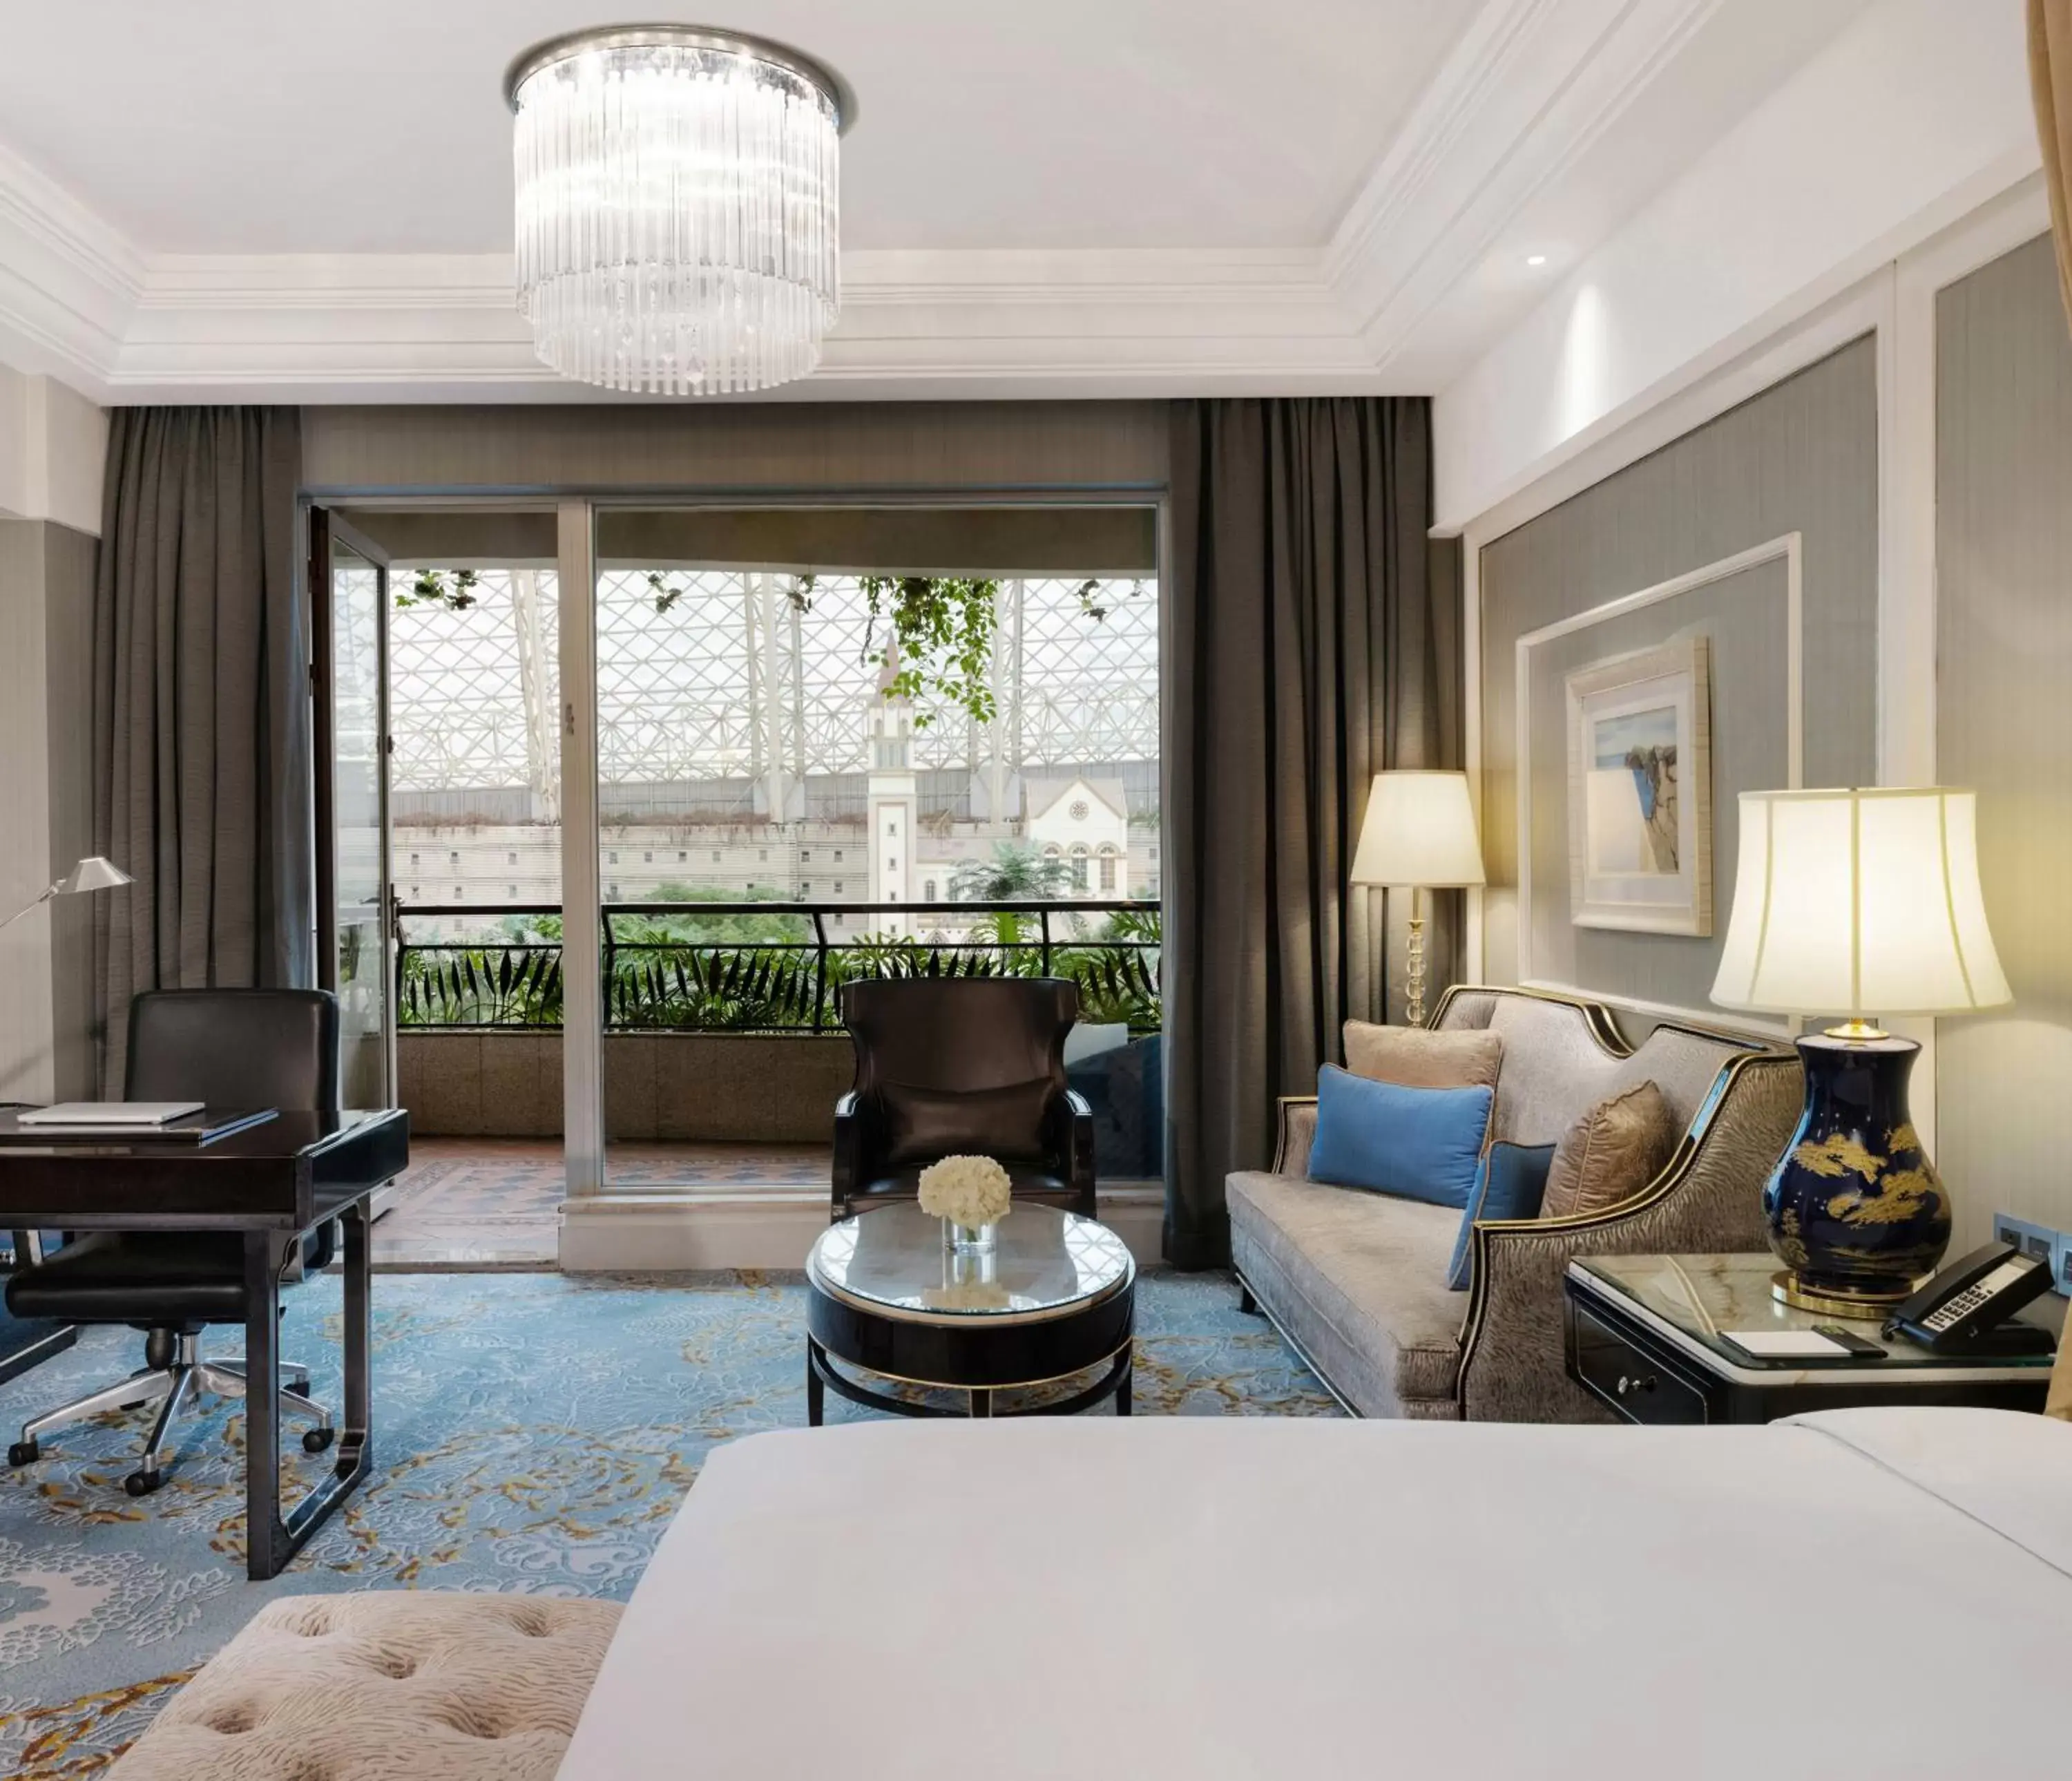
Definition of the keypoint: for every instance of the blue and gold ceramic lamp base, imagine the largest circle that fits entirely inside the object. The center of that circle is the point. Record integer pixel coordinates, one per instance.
(1857, 1213)
(1849, 901)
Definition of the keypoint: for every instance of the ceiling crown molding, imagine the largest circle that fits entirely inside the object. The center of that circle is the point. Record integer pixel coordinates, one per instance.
(69, 281)
(1529, 87)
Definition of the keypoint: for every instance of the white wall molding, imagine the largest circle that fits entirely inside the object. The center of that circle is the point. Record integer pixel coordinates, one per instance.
(69, 280)
(1913, 116)
(290, 327)
(1529, 87)
(1897, 304)
(1789, 549)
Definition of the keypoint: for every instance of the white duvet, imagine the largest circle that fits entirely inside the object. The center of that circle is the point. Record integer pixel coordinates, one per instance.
(1861, 1594)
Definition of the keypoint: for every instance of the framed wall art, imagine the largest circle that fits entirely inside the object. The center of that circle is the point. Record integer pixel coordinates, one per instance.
(1640, 791)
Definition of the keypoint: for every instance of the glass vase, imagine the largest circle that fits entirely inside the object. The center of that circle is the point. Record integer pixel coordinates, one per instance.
(970, 1240)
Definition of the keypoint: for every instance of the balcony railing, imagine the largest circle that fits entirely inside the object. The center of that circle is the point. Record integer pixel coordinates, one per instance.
(688, 966)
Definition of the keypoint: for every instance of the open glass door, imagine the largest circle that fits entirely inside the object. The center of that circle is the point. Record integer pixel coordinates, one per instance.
(355, 902)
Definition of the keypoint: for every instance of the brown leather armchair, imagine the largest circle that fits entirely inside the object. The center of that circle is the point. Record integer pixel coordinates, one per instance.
(961, 1066)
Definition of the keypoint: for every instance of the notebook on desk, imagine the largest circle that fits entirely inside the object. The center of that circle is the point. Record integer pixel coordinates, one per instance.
(188, 1121)
(110, 1112)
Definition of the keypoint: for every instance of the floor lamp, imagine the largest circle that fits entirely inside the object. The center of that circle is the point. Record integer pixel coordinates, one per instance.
(1419, 832)
(94, 873)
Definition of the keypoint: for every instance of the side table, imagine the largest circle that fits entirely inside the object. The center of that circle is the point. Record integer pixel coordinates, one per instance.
(1643, 1336)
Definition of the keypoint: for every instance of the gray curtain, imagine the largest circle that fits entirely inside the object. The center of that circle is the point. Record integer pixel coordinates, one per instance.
(1314, 642)
(201, 770)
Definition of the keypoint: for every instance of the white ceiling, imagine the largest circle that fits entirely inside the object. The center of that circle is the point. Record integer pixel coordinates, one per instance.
(248, 126)
(244, 198)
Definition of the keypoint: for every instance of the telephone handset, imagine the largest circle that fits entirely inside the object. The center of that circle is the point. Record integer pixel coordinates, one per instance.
(1965, 1309)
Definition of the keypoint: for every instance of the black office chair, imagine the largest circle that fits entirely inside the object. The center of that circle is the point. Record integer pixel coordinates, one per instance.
(961, 1066)
(226, 1048)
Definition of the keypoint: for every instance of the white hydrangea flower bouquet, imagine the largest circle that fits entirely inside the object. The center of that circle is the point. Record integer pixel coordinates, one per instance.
(971, 1191)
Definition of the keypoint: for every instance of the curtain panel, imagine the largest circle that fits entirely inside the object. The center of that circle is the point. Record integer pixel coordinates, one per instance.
(2051, 76)
(1314, 641)
(201, 769)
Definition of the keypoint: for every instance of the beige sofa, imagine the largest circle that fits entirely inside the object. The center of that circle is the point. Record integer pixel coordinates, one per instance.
(1356, 1281)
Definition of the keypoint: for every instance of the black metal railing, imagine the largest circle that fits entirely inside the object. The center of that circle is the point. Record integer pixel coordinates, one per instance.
(764, 967)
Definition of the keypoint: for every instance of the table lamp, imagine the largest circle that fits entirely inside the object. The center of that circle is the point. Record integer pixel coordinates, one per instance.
(94, 873)
(1420, 832)
(1861, 903)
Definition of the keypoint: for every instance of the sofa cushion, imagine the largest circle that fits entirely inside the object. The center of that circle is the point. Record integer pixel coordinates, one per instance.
(383, 1684)
(1510, 1183)
(1610, 1154)
(1421, 1143)
(1419, 1057)
(1357, 1280)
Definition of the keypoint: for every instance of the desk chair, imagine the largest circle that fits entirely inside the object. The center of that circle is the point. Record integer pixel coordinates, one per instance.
(228, 1048)
(961, 1066)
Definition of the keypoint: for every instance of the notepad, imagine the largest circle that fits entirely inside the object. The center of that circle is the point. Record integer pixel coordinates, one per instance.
(1785, 1344)
(108, 1113)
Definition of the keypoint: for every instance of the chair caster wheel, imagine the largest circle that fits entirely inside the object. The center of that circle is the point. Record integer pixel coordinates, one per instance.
(314, 1441)
(143, 1483)
(24, 1453)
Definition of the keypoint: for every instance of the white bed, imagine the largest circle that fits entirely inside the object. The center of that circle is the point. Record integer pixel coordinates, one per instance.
(1862, 1592)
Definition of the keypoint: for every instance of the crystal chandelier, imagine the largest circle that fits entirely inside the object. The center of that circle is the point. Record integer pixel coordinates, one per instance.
(678, 213)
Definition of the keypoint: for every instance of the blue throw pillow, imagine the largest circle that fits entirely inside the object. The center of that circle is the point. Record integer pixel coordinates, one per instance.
(1512, 1183)
(1416, 1143)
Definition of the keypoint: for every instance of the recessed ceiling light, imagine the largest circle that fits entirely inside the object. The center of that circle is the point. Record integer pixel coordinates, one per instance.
(1535, 259)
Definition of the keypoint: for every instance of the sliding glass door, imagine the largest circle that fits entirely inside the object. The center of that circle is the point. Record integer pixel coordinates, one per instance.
(355, 903)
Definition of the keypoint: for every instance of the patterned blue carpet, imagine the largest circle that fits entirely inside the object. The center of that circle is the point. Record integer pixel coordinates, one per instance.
(532, 1432)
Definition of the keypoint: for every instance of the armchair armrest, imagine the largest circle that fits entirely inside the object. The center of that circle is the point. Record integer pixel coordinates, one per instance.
(1707, 1200)
(850, 1136)
(1298, 1132)
(1070, 1131)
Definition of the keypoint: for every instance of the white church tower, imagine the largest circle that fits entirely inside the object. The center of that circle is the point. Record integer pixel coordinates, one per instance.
(893, 802)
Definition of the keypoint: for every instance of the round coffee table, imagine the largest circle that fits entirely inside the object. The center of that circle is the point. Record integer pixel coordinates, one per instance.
(886, 1294)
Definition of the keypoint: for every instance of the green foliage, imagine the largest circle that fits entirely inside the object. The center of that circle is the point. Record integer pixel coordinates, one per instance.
(488, 986)
(745, 989)
(661, 981)
(941, 629)
(1015, 872)
(630, 930)
(452, 589)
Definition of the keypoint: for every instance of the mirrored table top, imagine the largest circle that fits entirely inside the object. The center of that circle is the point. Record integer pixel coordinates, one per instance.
(1700, 1296)
(897, 1261)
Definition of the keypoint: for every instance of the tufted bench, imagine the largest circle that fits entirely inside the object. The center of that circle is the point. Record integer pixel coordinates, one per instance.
(387, 1686)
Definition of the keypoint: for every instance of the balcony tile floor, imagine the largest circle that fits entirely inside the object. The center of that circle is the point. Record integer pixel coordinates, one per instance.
(495, 1205)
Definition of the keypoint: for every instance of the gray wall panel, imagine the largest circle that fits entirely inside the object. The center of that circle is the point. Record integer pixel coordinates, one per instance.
(1801, 457)
(2003, 579)
(45, 712)
(1743, 615)
(69, 563)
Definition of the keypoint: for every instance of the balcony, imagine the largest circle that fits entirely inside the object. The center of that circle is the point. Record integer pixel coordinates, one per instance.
(722, 1030)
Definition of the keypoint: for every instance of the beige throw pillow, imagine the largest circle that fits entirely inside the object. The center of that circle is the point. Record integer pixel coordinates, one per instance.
(1610, 1154)
(1412, 1057)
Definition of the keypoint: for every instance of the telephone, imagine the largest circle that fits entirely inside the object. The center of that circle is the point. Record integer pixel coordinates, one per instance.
(1965, 1309)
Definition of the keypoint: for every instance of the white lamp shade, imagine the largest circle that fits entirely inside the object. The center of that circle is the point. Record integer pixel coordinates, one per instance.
(1859, 903)
(1419, 830)
(94, 873)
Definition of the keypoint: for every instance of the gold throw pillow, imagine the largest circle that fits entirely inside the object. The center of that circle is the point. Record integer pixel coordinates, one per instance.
(1610, 1154)
(1412, 1057)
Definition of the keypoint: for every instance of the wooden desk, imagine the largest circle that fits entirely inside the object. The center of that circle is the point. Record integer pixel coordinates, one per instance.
(271, 1182)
